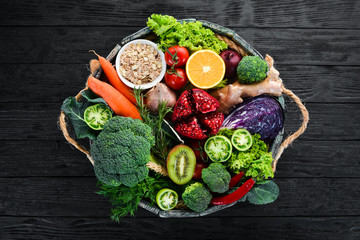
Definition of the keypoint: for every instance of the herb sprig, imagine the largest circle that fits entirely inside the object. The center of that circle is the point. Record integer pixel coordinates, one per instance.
(125, 199)
(155, 122)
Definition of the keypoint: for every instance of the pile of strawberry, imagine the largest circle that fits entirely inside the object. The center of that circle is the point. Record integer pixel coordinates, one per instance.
(195, 114)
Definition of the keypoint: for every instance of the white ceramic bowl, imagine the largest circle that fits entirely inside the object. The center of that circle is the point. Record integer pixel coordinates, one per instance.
(147, 85)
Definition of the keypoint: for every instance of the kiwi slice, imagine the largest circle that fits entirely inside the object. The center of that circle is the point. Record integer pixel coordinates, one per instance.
(181, 163)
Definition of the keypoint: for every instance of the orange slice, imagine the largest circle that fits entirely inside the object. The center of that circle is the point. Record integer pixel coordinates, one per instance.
(205, 69)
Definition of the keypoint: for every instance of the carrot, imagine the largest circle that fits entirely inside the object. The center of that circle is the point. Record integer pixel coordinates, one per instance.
(114, 79)
(116, 100)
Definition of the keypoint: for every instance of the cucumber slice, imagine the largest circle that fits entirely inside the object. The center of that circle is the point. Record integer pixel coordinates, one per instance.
(166, 199)
(97, 115)
(218, 148)
(242, 139)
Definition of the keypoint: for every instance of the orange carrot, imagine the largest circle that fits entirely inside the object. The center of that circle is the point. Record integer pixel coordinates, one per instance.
(114, 79)
(116, 100)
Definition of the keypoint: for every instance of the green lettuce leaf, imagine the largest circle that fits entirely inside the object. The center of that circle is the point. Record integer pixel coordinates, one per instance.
(191, 35)
(161, 24)
(90, 96)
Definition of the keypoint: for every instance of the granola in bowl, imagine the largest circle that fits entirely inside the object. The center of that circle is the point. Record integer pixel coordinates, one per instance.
(140, 64)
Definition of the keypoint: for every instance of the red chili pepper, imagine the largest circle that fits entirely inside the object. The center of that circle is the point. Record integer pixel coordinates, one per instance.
(235, 179)
(233, 197)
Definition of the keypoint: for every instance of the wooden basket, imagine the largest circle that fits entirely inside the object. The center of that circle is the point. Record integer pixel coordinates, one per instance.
(234, 42)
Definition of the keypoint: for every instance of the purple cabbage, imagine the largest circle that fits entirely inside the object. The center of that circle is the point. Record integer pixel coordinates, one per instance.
(263, 115)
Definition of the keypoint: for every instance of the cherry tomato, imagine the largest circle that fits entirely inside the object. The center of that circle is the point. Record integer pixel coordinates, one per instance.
(198, 168)
(182, 55)
(176, 80)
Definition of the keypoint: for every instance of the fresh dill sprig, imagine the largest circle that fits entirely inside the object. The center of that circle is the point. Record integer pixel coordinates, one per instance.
(125, 199)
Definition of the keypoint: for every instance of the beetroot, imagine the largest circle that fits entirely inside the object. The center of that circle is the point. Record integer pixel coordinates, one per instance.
(195, 114)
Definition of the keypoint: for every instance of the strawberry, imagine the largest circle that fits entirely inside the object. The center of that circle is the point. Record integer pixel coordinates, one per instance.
(183, 107)
(190, 129)
(212, 121)
(204, 103)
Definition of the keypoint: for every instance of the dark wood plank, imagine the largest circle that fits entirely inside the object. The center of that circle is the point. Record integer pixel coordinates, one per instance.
(303, 14)
(320, 159)
(310, 83)
(39, 121)
(300, 228)
(76, 197)
(303, 159)
(57, 158)
(72, 44)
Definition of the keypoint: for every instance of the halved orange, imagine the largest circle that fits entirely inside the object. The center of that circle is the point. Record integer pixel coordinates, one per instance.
(205, 69)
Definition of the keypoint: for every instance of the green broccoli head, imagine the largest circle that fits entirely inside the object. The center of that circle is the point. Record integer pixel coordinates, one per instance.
(136, 126)
(121, 153)
(252, 69)
(196, 197)
(216, 177)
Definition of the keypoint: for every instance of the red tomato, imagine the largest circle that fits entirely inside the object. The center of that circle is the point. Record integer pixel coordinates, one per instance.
(198, 168)
(173, 80)
(182, 55)
(198, 147)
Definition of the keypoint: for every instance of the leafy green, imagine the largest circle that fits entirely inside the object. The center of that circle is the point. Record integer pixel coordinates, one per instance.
(125, 199)
(191, 35)
(90, 96)
(261, 167)
(222, 84)
(75, 111)
(161, 24)
(255, 162)
(263, 192)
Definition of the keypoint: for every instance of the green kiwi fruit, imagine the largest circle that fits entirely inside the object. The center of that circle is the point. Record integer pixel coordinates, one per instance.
(181, 163)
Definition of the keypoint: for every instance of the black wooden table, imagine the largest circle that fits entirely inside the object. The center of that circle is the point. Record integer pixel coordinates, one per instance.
(47, 188)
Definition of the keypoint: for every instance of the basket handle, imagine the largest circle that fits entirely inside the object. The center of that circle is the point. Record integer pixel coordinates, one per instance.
(301, 130)
(63, 127)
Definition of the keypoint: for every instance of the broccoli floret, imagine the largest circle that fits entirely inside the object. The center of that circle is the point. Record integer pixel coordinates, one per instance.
(196, 197)
(216, 177)
(136, 126)
(252, 69)
(121, 152)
